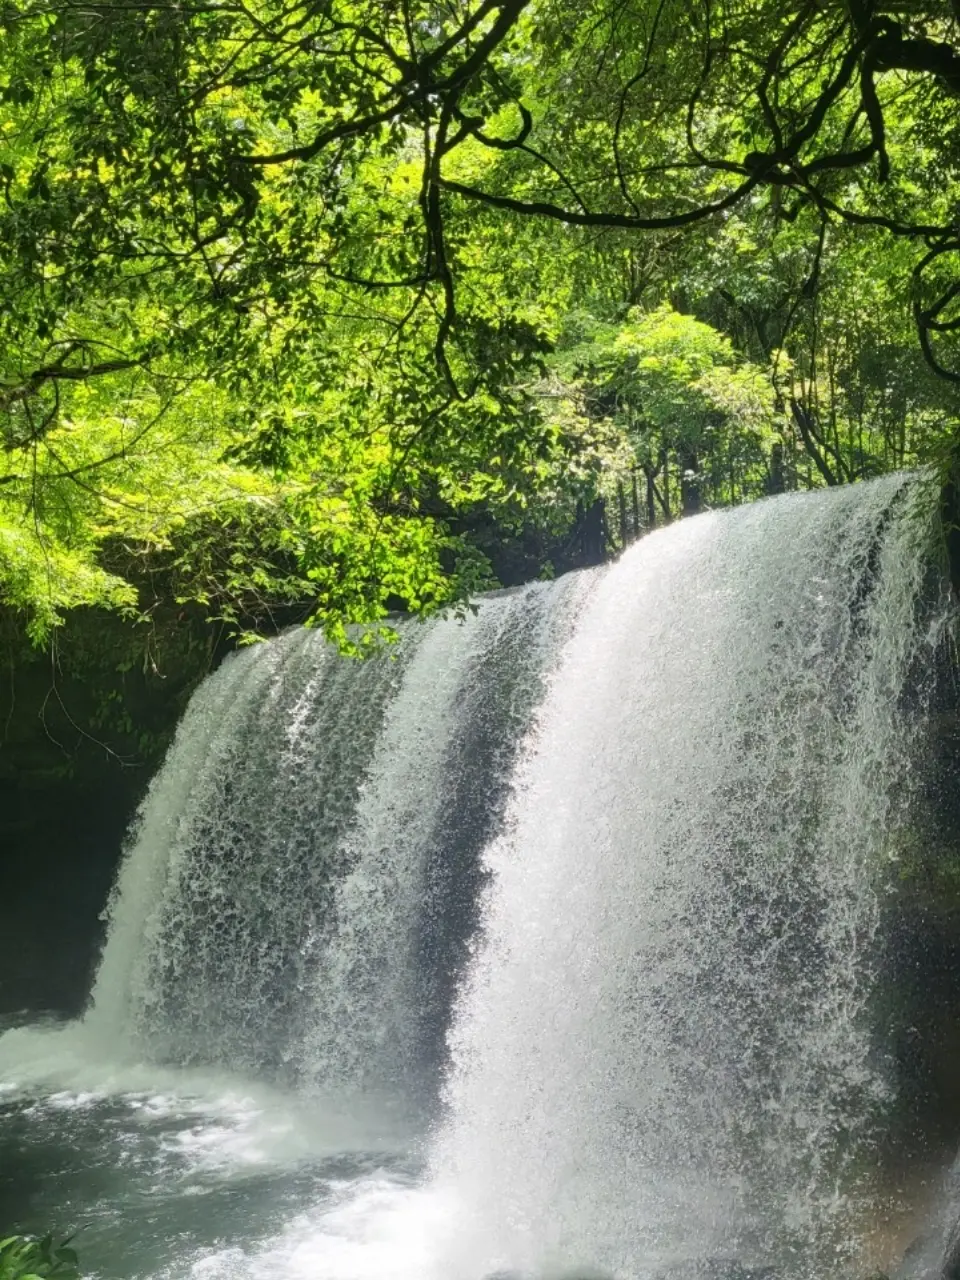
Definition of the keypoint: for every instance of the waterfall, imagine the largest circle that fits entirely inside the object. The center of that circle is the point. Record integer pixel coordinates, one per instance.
(594, 877)
(664, 1049)
(275, 910)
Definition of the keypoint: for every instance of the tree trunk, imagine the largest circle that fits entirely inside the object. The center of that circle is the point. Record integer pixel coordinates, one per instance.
(689, 483)
(593, 548)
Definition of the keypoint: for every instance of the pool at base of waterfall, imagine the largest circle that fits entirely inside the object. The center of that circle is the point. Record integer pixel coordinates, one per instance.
(169, 1174)
(181, 1174)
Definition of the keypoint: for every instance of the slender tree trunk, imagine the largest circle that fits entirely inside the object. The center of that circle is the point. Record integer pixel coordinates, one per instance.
(690, 497)
(649, 474)
(593, 548)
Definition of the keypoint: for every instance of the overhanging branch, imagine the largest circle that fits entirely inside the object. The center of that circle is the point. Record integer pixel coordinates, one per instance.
(543, 209)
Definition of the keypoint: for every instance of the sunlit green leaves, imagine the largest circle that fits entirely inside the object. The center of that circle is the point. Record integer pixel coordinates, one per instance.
(292, 296)
(29, 1258)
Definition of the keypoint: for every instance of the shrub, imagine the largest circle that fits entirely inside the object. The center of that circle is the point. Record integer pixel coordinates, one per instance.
(27, 1258)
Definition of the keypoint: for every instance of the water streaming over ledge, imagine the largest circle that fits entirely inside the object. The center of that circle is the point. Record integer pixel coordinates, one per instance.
(590, 883)
(664, 1050)
(285, 906)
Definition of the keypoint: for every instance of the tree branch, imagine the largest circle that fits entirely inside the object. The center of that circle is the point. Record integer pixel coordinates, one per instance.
(60, 371)
(538, 208)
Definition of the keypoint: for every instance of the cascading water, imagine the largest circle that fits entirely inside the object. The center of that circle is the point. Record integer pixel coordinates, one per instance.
(270, 910)
(223, 890)
(664, 1050)
(604, 866)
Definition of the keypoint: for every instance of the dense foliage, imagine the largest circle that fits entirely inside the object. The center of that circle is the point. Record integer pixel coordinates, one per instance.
(301, 299)
(29, 1258)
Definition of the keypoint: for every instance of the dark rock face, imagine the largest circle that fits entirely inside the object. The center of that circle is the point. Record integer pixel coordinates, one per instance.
(82, 728)
(920, 989)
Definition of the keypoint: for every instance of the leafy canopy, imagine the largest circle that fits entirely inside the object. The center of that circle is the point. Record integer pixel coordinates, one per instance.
(283, 283)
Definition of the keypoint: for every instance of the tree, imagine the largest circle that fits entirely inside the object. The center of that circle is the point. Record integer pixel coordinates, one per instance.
(296, 263)
(700, 423)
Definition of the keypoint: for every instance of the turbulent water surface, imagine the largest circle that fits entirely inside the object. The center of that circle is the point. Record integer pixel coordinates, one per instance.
(546, 944)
